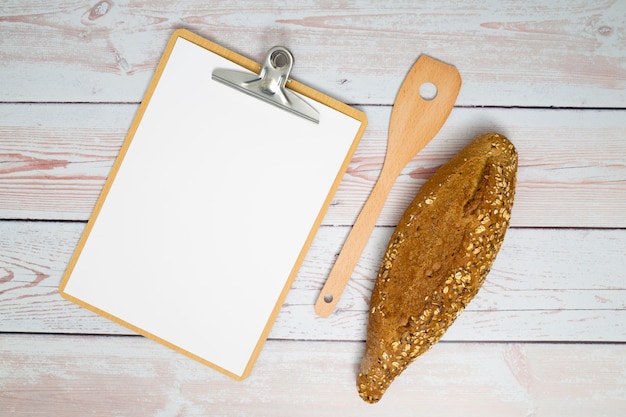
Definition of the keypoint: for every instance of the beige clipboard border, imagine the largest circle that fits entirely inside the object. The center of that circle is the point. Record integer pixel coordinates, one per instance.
(251, 66)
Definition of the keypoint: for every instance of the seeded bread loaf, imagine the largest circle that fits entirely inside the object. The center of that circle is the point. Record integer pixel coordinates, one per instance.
(437, 258)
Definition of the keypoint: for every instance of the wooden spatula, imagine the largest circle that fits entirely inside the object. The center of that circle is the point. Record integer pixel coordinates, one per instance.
(422, 105)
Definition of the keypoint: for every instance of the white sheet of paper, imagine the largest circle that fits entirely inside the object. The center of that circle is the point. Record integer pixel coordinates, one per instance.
(209, 211)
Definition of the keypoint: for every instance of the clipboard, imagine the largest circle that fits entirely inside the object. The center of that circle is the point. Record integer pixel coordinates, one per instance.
(210, 208)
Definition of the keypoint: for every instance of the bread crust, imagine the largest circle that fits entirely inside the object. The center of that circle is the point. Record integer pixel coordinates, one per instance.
(438, 258)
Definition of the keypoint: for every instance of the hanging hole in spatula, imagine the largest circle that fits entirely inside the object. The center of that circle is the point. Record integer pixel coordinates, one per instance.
(428, 91)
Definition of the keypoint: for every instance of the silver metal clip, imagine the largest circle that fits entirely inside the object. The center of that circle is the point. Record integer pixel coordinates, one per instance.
(270, 84)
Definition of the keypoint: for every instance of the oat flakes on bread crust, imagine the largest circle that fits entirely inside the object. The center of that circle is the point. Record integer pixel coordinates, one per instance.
(437, 258)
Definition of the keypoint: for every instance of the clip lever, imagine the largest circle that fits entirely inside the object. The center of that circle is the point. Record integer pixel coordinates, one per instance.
(270, 84)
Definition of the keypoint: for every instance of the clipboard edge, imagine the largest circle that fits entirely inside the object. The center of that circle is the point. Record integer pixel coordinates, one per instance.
(309, 240)
(151, 336)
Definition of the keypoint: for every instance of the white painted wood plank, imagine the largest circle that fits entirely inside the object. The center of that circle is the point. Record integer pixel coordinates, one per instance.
(537, 54)
(75, 376)
(546, 285)
(540, 289)
(54, 160)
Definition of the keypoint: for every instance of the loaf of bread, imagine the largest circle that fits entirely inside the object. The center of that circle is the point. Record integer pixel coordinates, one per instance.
(437, 258)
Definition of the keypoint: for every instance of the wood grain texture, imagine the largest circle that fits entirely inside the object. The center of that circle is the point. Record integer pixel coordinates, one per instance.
(61, 375)
(550, 75)
(54, 160)
(546, 285)
(562, 53)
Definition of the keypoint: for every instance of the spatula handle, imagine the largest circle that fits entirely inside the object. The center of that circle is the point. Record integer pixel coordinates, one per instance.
(356, 242)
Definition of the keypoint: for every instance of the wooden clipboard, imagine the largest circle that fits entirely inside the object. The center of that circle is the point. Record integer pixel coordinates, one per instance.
(209, 209)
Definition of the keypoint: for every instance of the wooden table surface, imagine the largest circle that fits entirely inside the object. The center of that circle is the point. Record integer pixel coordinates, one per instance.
(545, 336)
